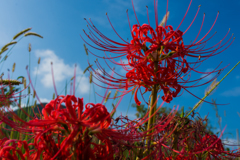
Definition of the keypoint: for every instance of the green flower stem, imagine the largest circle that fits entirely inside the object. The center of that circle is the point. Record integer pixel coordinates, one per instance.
(152, 119)
(197, 105)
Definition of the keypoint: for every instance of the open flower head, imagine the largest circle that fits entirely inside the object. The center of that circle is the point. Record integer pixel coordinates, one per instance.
(67, 131)
(156, 55)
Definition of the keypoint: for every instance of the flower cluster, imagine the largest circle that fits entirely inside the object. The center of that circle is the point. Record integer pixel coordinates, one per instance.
(66, 132)
(156, 56)
(71, 132)
(157, 59)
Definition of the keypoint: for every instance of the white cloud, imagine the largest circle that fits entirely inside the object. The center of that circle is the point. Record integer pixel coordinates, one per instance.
(233, 92)
(231, 143)
(140, 6)
(207, 78)
(84, 85)
(61, 70)
(15, 107)
(124, 61)
(121, 70)
(44, 100)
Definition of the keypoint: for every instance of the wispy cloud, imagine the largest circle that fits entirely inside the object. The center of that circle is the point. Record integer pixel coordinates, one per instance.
(140, 6)
(62, 71)
(231, 143)
(121, 70)
(207, 78)
(233, 92)
(44, 100)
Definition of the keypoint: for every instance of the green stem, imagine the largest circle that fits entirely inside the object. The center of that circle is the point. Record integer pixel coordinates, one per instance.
(94, 93)
(66, 89)
(8, 54)
(90, 93)
(197, 105)
(35, 83)
(152, 119)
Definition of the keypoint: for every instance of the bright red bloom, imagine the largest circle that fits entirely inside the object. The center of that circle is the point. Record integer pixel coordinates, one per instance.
(66, 132)
(11, 149)
(212, 146)
(185, 138)
(156, 56)
(75, 123)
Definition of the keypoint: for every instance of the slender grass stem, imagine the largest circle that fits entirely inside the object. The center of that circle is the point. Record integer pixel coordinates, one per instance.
(129, 104)
(8, 54)
(94, 94)
(197, 105)
(90, 93)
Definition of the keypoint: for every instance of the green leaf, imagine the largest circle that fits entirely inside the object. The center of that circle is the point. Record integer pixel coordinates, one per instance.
(182, 114)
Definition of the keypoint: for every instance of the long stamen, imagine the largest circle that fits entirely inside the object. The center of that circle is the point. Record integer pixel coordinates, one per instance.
(199, 29)
(148, 16)
(193, 19)
(166, 14)
(129, 21)
(135, 13)
(209, 29)
(184, 15)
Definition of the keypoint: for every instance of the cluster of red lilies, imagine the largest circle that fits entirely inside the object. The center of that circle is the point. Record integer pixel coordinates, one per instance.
(157, 60)
(78, 132)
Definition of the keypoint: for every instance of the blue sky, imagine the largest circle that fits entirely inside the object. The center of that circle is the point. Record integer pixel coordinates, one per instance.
(61, 23)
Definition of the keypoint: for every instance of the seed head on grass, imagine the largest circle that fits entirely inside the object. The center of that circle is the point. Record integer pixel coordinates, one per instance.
(90, 77)
(20, 33)
(212, 85)
(10, 81)
(115, 94)
(24, 82)
(3, 50)
(29, 47)
(13, 68)
(39, 59)
(106, 99)
(33, 34)
(9, 44)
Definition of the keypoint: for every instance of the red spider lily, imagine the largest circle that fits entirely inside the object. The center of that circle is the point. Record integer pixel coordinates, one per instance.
(7, 98)
(156, 56)
(66, 132)
(187, 139)
(75, 123)
(12, 149)
(212, 146)
(136, 135)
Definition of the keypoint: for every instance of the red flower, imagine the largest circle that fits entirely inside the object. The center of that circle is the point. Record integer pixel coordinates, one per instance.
(66, 132)
(156, 56)
(212, 146)
(11, 149)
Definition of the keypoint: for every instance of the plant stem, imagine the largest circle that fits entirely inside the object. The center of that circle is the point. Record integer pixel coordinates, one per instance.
(152, 119)
(197, 105)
